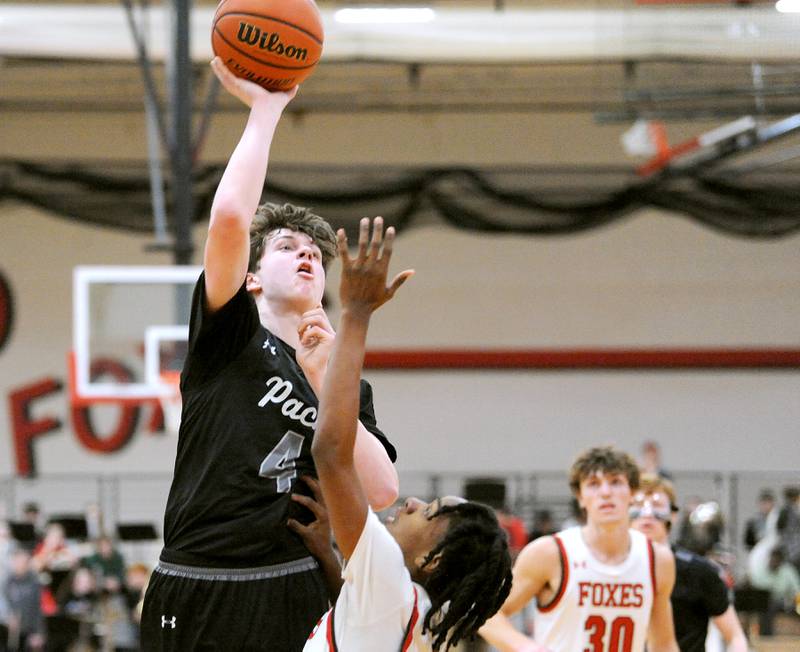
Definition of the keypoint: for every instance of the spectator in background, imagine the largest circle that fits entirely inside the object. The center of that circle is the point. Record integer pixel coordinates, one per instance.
(756, 527)
(576, 516)
(23, 593)
(515, 530)
(782, 581)
(650, 460)
(685, 535)
(53, 559)
(700, 593)
(78, 596)
(543, 524)
(53, 552)
(6, 548)
(95, 526)
(32, 516)
(789, 525)
(136, 579)
(107, 565)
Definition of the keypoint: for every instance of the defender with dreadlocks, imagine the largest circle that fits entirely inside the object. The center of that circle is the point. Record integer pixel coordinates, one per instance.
(436, 571)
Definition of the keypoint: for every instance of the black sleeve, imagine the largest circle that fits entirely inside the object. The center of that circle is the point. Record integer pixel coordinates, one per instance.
(367, 417)
(783, 517)
(715, 594)
(750, 539)
(217, 338)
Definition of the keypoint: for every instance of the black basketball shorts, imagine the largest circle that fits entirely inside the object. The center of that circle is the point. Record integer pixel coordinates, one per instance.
(270, 609)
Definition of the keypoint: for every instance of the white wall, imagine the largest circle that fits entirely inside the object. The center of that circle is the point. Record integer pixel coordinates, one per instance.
(653, 281)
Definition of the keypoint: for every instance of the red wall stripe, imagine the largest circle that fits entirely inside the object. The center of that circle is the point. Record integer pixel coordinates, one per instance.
(583, 359)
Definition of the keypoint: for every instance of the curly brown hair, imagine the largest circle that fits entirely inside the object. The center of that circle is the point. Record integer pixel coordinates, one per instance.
(605, 459)
(272, 217)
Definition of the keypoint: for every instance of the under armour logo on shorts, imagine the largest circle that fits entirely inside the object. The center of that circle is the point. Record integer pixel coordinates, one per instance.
(170, 622)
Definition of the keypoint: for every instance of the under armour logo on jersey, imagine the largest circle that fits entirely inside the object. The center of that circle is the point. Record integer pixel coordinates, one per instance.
(579, 564)
(171, 622)
(269, 346)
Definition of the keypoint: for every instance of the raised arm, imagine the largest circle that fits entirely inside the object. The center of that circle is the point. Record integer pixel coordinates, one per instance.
(239, 191)
(533, 572)
(661, 633)
(375, 470)
(363, 289)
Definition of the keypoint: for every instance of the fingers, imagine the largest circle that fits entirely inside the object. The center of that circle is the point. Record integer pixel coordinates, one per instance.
(313, 484)
(341, 246)
(312, 505)
(363, 236)
(224, 75)
(377, 238)
(315, 324)
(296, 527)
(398, 280)
(373, 250)
(316, 317)
(313, 335)
(388, 243)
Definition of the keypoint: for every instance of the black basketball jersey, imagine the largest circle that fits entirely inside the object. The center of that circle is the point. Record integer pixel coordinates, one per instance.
(699, 594)
(245, 439)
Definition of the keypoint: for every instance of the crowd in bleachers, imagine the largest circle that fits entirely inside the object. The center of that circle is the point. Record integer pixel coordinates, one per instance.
(68, 589)
(63, 591)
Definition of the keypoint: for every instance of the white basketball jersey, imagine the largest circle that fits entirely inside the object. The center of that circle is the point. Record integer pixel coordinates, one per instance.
(598, 607)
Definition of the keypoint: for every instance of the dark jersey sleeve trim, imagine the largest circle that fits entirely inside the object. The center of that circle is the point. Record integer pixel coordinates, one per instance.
(562, 587)
(219, 337)
(367, 417)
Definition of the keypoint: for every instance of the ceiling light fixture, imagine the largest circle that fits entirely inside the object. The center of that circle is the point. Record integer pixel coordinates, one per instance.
(788, 6)
(374, 15)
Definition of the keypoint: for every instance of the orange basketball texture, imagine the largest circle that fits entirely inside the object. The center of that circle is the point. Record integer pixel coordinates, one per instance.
(275, 43)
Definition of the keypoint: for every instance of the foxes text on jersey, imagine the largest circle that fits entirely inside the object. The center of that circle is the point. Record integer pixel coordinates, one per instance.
(598, 607)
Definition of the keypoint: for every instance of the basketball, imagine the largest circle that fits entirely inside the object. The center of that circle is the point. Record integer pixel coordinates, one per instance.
(274, 43)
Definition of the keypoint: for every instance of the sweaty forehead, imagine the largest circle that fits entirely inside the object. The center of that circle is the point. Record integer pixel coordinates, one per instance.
(600, 474)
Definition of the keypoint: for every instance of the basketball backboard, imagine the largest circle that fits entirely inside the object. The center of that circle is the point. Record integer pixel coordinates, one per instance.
(130, 327)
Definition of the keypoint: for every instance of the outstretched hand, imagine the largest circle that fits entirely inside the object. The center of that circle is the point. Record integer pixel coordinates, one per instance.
(363, 286)
(247, 91)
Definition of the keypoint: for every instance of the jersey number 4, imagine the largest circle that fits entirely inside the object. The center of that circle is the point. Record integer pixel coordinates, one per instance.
(620, 638)
(280, 462)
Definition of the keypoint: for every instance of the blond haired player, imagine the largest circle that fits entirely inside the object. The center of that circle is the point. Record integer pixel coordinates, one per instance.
(600, 587)
(700, 593)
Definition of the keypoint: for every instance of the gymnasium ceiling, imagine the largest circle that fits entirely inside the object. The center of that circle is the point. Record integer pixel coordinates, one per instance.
(606, 63)
(668, 85)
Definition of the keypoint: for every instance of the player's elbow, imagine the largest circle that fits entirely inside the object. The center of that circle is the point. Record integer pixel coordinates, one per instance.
(384, 493)
(228, 216)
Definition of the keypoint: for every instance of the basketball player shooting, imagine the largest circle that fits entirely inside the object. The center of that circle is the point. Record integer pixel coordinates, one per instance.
(600, 587)
(232, 575)
(433, 574)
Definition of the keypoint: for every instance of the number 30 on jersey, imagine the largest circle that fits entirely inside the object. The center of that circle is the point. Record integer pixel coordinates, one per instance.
(620, 638)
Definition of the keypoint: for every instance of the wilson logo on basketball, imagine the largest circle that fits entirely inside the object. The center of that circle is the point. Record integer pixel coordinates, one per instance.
(269, 41)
